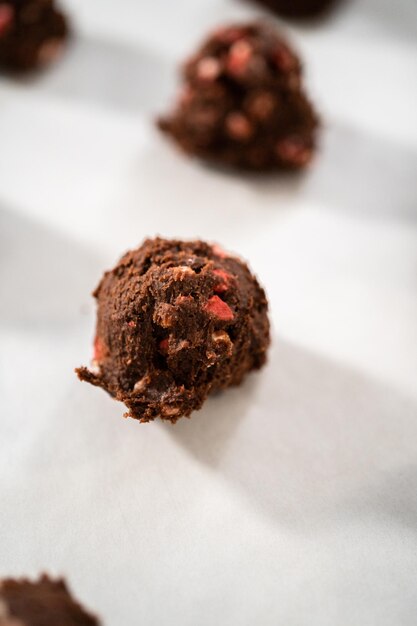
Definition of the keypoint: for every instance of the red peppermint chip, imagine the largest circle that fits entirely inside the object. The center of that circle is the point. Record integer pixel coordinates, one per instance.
(239, 56)
(293, 151)
(218, 251)
(229, 34)
(208, 69)
(223, 282)
(100, 350)
(284, 59)
(218, 308)
(238, 126)
(6, 17)
(163, 346)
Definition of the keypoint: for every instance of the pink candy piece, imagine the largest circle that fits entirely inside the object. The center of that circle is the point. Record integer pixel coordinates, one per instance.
(262, 106)
(283, 59)
(294, 151)
(239, 56)
(238, 126)
(163, 345)
(218, 308)
(218, 251)
(208, 69)
(50, 51)
(230, 34)
(223, 284)
(6, 17)
(100, 350)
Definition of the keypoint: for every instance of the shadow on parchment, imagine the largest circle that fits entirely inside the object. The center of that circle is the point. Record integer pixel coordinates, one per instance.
(392, 495)
(307, 439)
(125, 78)
(354, 171)
(394, 18)
(45, 277)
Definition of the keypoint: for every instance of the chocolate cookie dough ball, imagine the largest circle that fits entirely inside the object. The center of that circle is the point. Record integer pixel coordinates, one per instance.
(243, 103)
(176, 321)
(299, 9)
(32, 33)
(46, 602)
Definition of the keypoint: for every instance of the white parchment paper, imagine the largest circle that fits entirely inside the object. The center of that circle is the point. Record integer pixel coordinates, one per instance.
(291, 500)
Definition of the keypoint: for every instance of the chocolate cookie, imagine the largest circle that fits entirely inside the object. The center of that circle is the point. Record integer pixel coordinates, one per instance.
(176, 321)
(32, 33)
(46, 602)
(243, 104)
(299, 9)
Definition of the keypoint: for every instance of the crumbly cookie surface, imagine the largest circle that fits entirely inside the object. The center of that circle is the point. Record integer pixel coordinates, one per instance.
(176, 321)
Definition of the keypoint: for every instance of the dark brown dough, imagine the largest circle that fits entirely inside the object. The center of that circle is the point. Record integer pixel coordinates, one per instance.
(46, 602)
(32, 33)
(299, 9)
(176, 321)
(243, 104)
